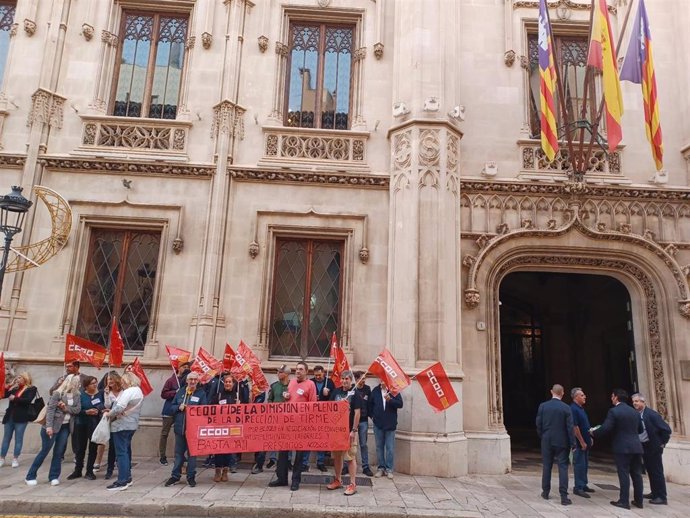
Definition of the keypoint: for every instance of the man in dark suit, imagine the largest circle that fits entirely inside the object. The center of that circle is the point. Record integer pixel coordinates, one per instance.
(654, 437)
(555, 429)
(624, 424)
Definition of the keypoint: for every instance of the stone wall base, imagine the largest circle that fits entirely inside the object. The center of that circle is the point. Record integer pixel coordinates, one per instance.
(488, 452)
(431, 454)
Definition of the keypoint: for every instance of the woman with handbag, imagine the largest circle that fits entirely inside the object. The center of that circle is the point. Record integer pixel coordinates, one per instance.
(18, 414)
(84, 425)
(64, 403)
(112, 390)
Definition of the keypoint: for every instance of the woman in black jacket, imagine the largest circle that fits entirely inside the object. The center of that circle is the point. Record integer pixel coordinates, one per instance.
(227, 395)
(20, 393)
(92, 404)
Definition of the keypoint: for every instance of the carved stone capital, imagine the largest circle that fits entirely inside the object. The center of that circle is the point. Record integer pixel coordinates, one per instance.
(360, 54)
(378, 50)
(206, 40)
(29, 27)
(468, 261)
(177, 245)
(87, 31)
(281, 49)
(524, 62)
(189, 44)
(263, 44)
(472, 298)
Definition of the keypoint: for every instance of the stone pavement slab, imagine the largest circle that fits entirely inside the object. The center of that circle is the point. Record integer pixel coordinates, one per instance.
(248, 496)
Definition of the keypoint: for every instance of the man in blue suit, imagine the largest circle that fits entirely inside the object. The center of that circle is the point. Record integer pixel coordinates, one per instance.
(555, 429)
(654, 437)
(625, 425)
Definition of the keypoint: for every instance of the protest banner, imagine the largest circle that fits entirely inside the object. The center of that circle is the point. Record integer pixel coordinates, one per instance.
(317, 426)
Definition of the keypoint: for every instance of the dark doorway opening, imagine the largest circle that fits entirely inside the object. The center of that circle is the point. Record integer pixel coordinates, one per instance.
(572, 329)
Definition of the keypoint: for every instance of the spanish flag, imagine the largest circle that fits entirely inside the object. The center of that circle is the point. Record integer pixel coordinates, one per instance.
(638, 67)
(547, 89)
(602, 56)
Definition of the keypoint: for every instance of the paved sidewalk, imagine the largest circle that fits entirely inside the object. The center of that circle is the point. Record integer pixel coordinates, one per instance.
(247, 496)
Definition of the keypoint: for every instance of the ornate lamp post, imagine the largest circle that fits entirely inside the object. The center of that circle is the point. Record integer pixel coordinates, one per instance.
(13, 209)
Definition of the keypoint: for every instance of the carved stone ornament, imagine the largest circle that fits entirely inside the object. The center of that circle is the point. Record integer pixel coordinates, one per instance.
(360, 54)
(263, 44)
(129, 167)
(509, 58)
(468, 261)
(253, 249)
(483, 240)
(310, 177)
(649, 234)
(378, 50)
(502, 228)
(206, 40)
(87, 31)
(559, 5)
(13, 30)
(686, 270)
(177, 245)
(601, 226)
(527, 224)
(364, 255)
(228, 118)
(47, 108)
(189, 44)
(671, 250)
(624, 228)
(472, 298)
(524, 62)
(30, 27)
(282, 50)
(551, 224)
(685, 308)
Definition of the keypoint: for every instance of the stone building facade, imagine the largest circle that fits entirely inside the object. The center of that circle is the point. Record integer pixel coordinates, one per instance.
(275, 171)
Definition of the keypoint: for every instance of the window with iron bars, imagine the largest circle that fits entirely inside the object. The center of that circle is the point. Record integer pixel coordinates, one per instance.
(119, 283)
(306, 299)
(148, 71)
(7, 12)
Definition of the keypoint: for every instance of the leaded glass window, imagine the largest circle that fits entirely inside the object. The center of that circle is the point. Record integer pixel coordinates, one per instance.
(305, 308)
(571, 53)
(119, 283)
(7, 10)
(149, 69)
(319, 82)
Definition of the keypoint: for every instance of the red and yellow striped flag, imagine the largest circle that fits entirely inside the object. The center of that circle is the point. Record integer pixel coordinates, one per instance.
(602, 56)
(547, 88)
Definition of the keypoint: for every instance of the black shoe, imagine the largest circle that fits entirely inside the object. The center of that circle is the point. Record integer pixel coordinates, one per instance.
(233, 469)
(366, 471)
(581, 492)
(294, 486)
(164, 461)
(191, 482)
(639, 505)
(588, 490)
(622, 505)
(648, 496)
(544, 495)
(72, 476)
(90, 476)
(270, 464)
(566, 501)
(658, 501)
(277, 483)
(171, 481)
(257, 469)
(108, 475)
(118, 486)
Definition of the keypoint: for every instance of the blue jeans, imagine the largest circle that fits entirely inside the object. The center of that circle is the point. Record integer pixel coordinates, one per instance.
(580, 467)
(362, 432)
(123, 454)
(18, 430)
(180, 451)
(385, 445)
(58, 442)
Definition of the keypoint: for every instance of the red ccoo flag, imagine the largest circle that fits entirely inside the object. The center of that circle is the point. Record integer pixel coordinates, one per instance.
(386, 368)
(247, 363)
(136, 369)
(206, 365)
(117, 346)
(81, 350)
(228, 358)
(2, 375)
(437, 388)
(177, 356)
(340, 363)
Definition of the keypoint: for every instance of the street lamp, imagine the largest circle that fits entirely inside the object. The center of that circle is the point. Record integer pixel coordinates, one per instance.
(13, 209)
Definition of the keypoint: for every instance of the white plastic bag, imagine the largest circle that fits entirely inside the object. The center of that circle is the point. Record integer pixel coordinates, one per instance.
(101, 435)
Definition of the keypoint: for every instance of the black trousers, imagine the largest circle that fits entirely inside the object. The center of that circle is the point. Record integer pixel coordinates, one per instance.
(655, 471)
(82, 439)
(282, 469)
(549, 455)
(629, 466)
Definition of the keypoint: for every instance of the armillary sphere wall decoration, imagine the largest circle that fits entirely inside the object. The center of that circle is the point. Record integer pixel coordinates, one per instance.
(35, 254)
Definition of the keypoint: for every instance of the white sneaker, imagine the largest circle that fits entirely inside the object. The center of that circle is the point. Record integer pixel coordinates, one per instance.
(379, 473)
(15, 463)
(2, 462)
(31, 482)
(390, 475)
(55, 482)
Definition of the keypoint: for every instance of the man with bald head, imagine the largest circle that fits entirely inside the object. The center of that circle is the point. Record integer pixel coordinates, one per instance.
(555, 429)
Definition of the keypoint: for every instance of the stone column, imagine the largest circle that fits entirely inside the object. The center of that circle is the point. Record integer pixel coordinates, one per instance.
(424, 284)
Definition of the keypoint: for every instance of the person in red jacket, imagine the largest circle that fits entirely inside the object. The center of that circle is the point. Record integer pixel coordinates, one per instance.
(170, 388)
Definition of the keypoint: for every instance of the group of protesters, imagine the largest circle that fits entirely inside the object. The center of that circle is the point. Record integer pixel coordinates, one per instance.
(78, 403)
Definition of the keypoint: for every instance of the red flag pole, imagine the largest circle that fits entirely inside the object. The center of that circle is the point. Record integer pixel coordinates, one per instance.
(334, 339)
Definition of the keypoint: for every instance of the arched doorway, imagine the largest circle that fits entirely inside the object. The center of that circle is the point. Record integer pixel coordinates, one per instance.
(572, 329)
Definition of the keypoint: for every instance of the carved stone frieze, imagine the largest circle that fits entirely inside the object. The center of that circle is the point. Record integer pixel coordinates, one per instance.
(228, 118)
(308, 177)
(129, 167)
(337, 147)
(46, 108)
(132, 134)
(562, 4)
(534, 160)
(12, 161)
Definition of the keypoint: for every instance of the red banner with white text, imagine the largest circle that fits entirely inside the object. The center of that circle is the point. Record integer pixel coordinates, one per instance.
(318, 426)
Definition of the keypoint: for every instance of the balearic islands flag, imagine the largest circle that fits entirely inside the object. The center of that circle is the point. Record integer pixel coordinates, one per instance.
(82, 350)
(638, 67)
(136, 369)
(437, 388)
(340, 363)
(386, 368)
(117, 346)
(602, 56)
(547, 85)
